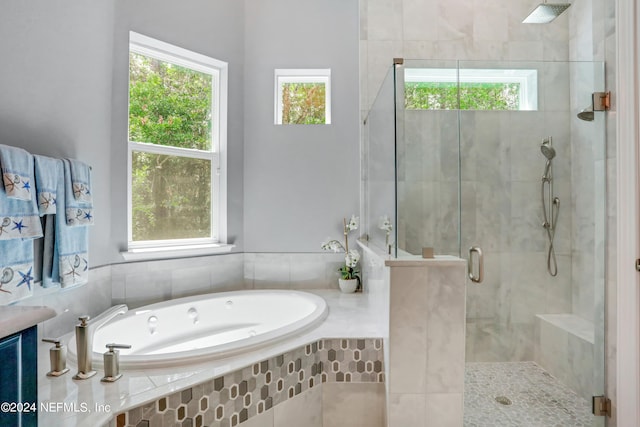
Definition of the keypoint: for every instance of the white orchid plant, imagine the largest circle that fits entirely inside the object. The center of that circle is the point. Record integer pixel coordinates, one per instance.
(350, 268)
(385, 225)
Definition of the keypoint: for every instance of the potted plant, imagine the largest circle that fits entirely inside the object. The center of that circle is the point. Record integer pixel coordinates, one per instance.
(349, 280)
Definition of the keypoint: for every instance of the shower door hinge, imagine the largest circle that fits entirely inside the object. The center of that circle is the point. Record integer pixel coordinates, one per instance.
(601, 406)
(638, 264)
(601, 101)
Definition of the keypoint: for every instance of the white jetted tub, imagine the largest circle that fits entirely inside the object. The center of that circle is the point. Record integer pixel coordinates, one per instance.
(205, 327)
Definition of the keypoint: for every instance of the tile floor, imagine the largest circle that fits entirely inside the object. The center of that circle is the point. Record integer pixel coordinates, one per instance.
(537, 398)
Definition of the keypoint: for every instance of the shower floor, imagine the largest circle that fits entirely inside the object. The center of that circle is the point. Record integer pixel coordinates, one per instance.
(536, 398)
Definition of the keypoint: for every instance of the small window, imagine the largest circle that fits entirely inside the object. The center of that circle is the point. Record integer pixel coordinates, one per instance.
(177, 139)
(303, 97)
(470, 89)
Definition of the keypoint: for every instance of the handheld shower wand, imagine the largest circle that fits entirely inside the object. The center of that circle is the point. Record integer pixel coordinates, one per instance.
(550, 204)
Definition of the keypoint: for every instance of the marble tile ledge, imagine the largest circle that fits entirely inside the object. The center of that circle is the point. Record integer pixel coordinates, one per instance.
(406, 259)
(92, 403)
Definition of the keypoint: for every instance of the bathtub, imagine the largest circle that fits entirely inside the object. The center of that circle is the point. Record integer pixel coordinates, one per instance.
(205, 327)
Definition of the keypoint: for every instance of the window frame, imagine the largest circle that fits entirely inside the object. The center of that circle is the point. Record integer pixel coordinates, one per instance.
(302, 75)
(527, 78)
(166, 52)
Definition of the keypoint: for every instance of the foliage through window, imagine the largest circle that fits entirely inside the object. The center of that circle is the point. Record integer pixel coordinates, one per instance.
(302, 97)
(175, 135)
(470, 89)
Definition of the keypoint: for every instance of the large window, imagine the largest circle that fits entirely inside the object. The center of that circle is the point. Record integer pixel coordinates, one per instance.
(177, 140)
(470, 89)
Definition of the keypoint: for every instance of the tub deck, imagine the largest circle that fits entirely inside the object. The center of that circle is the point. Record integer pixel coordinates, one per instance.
(91, 402)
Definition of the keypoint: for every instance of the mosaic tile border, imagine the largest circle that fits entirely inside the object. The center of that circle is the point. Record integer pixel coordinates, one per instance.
(231, 399)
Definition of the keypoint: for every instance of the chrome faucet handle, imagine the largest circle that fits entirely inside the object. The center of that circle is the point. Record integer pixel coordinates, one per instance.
(112, 363)
(84, 319)
(57, 357)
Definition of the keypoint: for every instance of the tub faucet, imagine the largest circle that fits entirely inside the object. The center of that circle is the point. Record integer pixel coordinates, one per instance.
(84, 339)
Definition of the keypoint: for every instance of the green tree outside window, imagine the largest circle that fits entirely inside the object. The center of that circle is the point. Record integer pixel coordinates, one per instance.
(169, 105)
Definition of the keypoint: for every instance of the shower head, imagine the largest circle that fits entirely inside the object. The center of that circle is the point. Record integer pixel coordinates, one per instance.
(547, 150)
(545, 13)
(586, 114)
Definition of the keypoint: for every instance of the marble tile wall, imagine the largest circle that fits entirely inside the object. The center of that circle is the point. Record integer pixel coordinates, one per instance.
(426, 345)
(501, 207)
(455, 29)
(141, 283)
(91, 298)
(292, 270)
(491, 30)
(565, 348)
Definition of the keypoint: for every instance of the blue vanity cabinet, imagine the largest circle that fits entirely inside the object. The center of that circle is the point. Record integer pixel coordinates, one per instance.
(18, 379)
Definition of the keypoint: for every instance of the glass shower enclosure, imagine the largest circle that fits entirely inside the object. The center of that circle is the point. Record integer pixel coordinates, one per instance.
(492, 155)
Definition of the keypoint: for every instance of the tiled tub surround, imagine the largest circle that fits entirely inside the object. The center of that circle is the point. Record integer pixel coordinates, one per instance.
(147, 282)
(244, 394)
(141, 283)
(350, 316)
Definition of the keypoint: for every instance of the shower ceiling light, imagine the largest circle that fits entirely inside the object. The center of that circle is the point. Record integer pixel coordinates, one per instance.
(545, 13)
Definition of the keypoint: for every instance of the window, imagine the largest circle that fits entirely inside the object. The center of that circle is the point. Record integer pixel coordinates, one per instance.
(303, 97)
(470, 89)
(177, 143)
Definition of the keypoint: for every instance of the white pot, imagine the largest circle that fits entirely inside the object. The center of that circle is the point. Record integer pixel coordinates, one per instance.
(348, 286)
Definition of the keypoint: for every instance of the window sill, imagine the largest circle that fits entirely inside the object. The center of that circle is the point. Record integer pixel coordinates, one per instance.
(148, 254)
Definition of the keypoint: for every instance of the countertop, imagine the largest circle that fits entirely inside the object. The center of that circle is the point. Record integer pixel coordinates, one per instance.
(17, 318)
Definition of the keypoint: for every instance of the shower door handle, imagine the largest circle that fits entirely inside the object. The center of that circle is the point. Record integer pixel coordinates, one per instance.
(472, 276)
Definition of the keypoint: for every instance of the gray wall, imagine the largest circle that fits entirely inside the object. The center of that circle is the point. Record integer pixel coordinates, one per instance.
(64, 90)
(211, 27)
(55, 91)
(300, 180)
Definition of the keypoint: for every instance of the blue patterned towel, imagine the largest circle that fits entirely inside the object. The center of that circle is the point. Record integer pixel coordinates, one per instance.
(19, 225)
(66, 256)
(19, 219)
(78, 210)
(17, 172)
(80, 180)
(47, 171)
(16, 270)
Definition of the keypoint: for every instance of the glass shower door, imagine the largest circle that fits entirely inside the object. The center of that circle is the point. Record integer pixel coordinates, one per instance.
(532, 196)
(493, 155)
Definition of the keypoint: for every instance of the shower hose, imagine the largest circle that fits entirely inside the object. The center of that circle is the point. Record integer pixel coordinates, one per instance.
(550, 220)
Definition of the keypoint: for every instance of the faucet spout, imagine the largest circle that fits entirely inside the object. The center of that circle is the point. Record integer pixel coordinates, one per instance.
(105, 316)
(84, 339)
